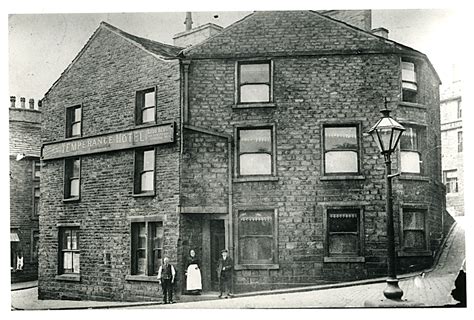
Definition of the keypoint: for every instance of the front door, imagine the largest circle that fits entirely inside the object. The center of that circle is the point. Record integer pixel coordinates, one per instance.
(217, 233)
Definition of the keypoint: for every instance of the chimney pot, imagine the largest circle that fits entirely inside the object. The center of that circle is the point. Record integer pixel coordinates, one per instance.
(22, 102)
(381, 32)
(12, 101)
(31, 102)
(189, 21)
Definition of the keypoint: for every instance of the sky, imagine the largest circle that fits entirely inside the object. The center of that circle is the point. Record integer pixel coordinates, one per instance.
(41, 46)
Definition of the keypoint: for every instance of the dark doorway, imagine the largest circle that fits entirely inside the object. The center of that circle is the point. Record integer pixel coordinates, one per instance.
(217, 233)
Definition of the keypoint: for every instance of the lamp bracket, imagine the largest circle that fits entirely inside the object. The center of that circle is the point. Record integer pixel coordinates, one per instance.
(390, 176)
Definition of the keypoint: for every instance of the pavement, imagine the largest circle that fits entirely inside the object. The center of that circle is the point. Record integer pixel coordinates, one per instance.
(431, 288)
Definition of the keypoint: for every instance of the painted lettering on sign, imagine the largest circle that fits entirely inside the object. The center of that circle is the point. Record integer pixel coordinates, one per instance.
(109, 142)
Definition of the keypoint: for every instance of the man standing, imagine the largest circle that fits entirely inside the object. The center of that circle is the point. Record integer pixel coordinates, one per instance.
(166, 275)
(224, 273)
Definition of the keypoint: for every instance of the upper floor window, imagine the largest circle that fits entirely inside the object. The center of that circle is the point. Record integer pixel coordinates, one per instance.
(255, 151)
(73, 121)
(36, 201)
(410, 150)
(450, 178)
(36, 169)
(257, 237)
(72, 178)
(69, 253)
(146, 106)
(409, 82)
(460, 141)
(459, 109)
(147, 244)
(144, 171)
(341, 149)
(254, 82)
(414, 233)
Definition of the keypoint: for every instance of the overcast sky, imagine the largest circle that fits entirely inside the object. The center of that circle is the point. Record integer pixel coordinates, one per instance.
(42, 45)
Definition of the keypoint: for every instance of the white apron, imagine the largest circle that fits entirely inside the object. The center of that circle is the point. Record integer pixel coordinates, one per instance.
(193, 280)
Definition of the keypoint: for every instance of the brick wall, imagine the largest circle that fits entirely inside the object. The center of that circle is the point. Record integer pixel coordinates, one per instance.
(104, 80)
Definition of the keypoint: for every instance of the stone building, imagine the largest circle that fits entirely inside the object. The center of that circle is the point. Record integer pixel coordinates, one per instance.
(25, 146)
(452, 147)
(251, 140)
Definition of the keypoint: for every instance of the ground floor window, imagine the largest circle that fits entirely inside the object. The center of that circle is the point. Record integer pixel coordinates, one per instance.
(414, 229)
(343, 232)
(34, 245)
(69, 257)
(450, 178)
(147, 246)
(14, 249)
(257, 240)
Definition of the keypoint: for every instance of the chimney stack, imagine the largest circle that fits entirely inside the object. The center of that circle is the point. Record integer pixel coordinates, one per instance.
(22, 102)
(188, 22)
(40, 103)
(31, 102)
(381, 32)
(12, 101)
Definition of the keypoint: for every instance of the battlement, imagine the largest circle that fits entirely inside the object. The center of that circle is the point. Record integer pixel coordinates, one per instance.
(22, 105)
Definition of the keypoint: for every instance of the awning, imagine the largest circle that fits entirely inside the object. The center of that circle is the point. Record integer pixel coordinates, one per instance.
(14, 237)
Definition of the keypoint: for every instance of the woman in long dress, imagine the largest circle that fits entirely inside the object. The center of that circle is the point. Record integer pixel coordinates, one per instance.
(193, 274)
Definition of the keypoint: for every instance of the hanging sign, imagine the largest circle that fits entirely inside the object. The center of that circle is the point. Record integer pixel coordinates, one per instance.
(135, 138)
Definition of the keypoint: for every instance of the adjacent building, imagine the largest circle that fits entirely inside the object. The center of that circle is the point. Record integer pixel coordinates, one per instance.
(251, 140)
(452, 147)
(25, 146)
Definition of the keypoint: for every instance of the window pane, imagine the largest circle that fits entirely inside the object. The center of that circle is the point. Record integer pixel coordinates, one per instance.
(256, 249)
(67, 239)
(343, 244)
(409, 86)
(414, 239)
(258, 164)
(343, 222)
(76, 168)
(67, 262)
(148, 115)
(150, 99)
(341, 161)
(256, 223)
(74, 188)
(148, 160)
(408, 71)
(409, 139)
(254, 73)
(37, 169)
(147, 181)
(141, 261)
(341, 138)
(75, 260)
(141, 236)
(156, 261)
(77, 114)
(451, 174)
(74, 239)
(255, 93)
(37, 192)
(410, 162)
(413, 220)
(76, 129)
(256, 141)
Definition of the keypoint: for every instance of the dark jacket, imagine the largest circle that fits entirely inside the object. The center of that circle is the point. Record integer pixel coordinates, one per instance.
(224, 268)
(191, 261)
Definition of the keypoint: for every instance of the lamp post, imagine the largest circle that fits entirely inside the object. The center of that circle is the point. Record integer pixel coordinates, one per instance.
(386, 133)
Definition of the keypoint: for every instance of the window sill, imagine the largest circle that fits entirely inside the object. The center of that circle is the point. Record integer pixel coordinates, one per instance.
(146, 124)
(75, 199)
(68, 277)
(414, 253)
(254, 105)
(344, 259)
(271, 266)
(342, 177)
(412, 104)
(415, 177)
(255, 179)
(141, 278)
(144, 194)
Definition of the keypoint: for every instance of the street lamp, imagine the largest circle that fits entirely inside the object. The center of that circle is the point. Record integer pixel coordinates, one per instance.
(386, 133)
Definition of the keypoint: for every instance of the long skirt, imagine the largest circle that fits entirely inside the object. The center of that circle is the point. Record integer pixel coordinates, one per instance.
(193, 280)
